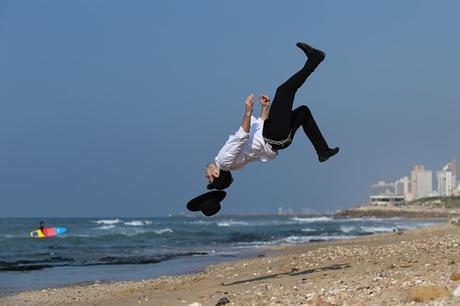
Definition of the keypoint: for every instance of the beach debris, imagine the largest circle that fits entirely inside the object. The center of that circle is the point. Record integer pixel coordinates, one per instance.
(422, 294)
(455, 276)
(195, 304)
(455, 221)
(223, 301)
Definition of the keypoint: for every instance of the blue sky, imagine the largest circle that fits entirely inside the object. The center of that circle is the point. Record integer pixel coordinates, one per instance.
(112, 108)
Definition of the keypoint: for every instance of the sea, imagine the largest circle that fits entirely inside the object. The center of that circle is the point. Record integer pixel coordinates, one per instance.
(115, 249)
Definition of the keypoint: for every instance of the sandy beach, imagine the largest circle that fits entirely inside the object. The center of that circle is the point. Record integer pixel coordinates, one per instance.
(399, 268)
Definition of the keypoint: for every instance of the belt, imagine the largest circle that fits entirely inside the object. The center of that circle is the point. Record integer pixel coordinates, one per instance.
(279, 142)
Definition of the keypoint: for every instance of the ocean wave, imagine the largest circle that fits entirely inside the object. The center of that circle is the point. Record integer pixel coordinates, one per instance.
(138, 223)
(9, 236)
(313, 219)
(258, 243)
(294, 240)
(30, 265)
(200, 222)
(231, 223)
(223, 253)
(106, 227)
(377, 229)
(347, 229)
(107, 221)
(308, 230)
(315, 238)
(367, 219)
(415, 225)
(163, 231)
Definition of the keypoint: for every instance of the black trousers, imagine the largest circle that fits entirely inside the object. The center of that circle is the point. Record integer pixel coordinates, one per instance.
(283, 122)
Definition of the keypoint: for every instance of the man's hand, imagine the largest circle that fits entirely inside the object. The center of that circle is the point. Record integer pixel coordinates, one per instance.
(212, 172)
(264, 100)
(249, 104)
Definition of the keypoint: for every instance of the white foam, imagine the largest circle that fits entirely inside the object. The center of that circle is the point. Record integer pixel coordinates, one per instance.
(308, 230)
(313, 219)
(138, 223)
(347, 229)
(106, 227)
(107, 221)
(258, 243)
(377, 229)
(163, 231)
(305, 239)
(232, 223)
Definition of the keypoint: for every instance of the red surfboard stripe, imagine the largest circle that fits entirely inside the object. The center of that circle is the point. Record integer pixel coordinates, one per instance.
(49, 231)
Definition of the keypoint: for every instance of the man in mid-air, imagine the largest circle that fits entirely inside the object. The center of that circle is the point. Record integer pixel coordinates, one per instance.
(262, 138)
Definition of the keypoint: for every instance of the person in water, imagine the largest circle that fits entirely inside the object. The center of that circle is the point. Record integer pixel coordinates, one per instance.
(262, 138)
(42, 226)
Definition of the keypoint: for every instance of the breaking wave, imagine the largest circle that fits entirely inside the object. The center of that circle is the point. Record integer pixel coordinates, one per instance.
(107, 221)
(138, 223)
(163, 231)
(313, 219)
(232, 223)
(106, 227)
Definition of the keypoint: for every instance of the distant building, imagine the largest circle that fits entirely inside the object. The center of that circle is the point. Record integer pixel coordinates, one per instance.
(452, 167)
(387, 200)
(444, 180)
(382, 188)
(447, 179)
(402, 188)
(422, 182)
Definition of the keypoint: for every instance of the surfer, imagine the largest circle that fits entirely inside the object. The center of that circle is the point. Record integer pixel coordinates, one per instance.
(42, 226)
(262, 138)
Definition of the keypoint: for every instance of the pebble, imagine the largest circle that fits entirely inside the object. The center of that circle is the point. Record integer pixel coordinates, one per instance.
(457, 291)
(422, 294)
(223, 301)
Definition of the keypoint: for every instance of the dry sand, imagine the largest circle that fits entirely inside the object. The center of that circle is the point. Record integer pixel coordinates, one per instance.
(414, 267)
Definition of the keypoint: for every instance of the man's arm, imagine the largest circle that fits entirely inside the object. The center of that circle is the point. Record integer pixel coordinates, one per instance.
(229, 152)
(265, 102)
(249, 103)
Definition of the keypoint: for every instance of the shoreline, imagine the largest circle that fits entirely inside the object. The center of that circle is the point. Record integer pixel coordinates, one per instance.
(407, 211)
(43, 279)
(396, 268)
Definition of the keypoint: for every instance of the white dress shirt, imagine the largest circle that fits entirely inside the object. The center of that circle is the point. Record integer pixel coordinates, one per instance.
(242, 148)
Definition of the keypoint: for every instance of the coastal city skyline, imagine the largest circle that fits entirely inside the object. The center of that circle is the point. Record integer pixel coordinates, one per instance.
(421, 183)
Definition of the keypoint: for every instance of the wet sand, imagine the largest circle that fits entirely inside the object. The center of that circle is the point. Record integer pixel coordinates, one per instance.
(419, 266)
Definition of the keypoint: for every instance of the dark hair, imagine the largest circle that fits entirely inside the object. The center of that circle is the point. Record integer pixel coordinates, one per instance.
(224, 180)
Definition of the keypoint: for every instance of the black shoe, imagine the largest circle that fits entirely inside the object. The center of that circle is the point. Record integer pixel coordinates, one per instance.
(326, 155)
(312, 53)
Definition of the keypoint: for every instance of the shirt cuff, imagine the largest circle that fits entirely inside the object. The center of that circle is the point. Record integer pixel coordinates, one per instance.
(241, 133)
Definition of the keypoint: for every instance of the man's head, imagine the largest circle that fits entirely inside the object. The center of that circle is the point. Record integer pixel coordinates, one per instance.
(217, 178)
